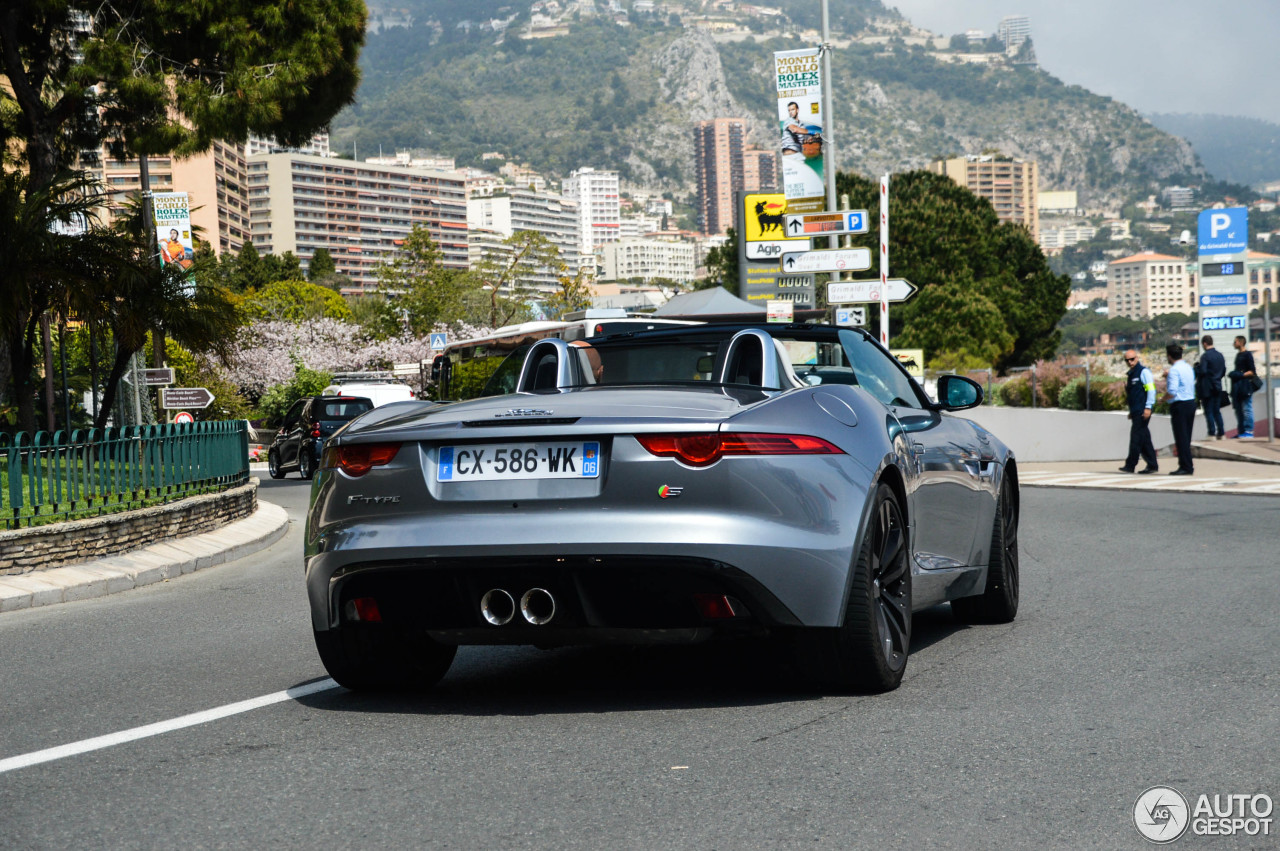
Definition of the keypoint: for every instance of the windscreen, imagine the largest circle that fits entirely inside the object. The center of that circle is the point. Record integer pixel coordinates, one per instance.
(344, 409)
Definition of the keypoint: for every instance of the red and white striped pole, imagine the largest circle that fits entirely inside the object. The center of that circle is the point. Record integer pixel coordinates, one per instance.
(884, 261)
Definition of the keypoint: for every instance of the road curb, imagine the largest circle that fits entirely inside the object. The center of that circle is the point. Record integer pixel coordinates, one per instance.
(155, 563)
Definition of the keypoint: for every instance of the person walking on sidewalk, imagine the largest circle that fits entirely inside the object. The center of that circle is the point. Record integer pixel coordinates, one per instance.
(1180, 393)
(1210, 369)
(1140, 391)
(1242, 388)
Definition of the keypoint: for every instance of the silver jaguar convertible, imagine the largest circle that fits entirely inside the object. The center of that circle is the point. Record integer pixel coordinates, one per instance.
(706, 482)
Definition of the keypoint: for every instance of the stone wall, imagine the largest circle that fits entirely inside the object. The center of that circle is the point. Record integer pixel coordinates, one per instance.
(58, 544)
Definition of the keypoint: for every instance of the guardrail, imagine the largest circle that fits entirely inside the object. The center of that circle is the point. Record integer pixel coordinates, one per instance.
(46, 477)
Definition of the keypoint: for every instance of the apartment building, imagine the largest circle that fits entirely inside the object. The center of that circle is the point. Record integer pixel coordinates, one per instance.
(215, 181)
(1149, 284)
(724, 162)
(524, 209)
(599, 209)
(1013, 30)
(360, 212)
(646, 259)
(1056, 239)
(1009, 184)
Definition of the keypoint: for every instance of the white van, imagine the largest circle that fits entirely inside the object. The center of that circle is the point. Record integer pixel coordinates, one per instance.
(373, 386)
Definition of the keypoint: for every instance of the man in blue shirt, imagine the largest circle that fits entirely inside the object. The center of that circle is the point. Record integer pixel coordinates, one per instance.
(1140, 393)
(1181, 396)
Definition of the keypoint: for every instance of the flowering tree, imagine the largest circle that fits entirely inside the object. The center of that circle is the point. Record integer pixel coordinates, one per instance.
(266, 352)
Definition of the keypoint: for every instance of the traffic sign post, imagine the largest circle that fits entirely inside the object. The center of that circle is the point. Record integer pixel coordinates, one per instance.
(439, 340)
(185, 397)
(827, 260)
(183, 417)
(858, 292)
(1223, 249)
(827, 223)
(854, 316)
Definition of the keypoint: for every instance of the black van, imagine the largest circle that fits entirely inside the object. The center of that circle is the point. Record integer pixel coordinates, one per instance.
(310, 420)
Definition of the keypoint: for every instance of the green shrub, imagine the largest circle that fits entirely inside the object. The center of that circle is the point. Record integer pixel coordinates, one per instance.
(275, 403)
(1106, 393)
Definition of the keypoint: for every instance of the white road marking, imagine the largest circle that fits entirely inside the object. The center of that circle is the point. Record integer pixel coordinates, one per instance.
(1109, 481)
(112, 739)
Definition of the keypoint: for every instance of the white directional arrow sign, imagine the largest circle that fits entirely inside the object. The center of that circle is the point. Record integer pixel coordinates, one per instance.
(855, 292)
(828, 260)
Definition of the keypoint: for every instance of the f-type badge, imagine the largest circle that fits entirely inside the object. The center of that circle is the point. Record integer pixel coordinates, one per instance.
(525, 412)
(668, 492)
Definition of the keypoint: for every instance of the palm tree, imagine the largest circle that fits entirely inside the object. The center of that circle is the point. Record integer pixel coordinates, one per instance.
(47, 252)
(139, 296)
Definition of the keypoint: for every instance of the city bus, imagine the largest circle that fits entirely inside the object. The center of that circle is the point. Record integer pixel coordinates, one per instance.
(490, 365)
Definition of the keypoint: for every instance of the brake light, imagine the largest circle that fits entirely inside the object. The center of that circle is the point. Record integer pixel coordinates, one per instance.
(358, 459)
(315, 431)
(702, 450)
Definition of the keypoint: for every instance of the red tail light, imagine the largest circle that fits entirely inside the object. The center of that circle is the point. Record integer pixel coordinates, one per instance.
(359, 459)
(702, 450)
(363, 610)
(315, 431)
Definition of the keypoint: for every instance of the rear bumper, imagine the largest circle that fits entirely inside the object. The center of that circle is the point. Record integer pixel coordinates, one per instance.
(623, 600)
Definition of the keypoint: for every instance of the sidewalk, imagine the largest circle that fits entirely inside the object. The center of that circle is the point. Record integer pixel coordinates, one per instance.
(1245, 466)
(1226, 466)
(155, 563)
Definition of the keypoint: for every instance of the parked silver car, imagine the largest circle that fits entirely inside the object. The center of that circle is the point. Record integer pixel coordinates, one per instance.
(789, 481)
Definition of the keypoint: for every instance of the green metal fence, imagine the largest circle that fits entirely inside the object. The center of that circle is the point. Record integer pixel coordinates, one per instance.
(56, 476)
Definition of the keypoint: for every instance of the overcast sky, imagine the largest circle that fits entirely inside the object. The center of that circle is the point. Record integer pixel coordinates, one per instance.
(1192, 56)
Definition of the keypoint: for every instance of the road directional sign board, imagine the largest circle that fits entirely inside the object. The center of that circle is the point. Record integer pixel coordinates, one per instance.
(185, 397)
(826, 224)
(827, 260)
(858, 292)
(158, 377)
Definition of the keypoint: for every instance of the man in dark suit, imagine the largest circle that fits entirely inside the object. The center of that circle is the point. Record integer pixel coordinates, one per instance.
(1210, 369)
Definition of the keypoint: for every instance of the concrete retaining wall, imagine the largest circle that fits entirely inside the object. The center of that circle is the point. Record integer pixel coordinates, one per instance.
(56, 544)
(1051, 434)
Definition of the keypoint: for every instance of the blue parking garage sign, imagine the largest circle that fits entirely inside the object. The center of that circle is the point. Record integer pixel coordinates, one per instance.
(1223, 231)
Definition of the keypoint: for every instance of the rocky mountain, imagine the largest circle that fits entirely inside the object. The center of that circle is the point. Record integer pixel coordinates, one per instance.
(619, 87)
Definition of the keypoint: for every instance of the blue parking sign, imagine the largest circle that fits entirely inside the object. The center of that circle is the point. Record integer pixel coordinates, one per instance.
(1223, 231)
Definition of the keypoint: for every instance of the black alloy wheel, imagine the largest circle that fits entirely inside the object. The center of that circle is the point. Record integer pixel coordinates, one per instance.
(273, 465)
(999, 601)
(306, 463)
(869, 652)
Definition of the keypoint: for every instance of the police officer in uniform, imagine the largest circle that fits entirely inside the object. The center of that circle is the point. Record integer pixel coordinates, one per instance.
(1140, 390)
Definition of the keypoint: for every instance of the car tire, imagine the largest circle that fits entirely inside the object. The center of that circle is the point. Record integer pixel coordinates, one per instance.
(998, 603)
(273, 465)
(869, 651)
(306, 463)
(370, 657)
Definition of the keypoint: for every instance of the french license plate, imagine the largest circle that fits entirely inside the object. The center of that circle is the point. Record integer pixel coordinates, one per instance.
(488, 462)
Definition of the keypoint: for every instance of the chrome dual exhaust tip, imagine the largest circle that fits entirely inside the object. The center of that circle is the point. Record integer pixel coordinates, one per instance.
(537, 606)
(497, 607)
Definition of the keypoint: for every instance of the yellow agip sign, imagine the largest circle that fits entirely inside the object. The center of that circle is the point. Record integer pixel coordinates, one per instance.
(762, 217)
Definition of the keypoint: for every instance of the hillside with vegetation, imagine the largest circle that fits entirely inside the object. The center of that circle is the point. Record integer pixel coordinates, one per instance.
(1235, 149)
(622, 92)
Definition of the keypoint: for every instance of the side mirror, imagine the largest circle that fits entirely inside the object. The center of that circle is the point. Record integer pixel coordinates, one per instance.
(958, 393)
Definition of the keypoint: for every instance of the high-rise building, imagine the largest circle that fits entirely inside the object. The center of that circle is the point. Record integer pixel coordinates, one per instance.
(1013, 31)
(317, 145)
(724, 161)
(524, 209)
(216, 183)
(1008, 183)
(360, 212)
(599, 209)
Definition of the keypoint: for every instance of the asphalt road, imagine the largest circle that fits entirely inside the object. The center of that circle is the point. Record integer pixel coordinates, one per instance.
(1145, 654)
